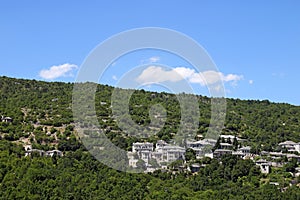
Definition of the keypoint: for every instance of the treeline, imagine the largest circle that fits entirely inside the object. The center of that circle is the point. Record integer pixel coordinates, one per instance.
(78, 175)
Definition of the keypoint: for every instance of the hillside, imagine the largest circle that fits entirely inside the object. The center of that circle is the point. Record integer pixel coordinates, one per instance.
(35, 104)
(40, 114)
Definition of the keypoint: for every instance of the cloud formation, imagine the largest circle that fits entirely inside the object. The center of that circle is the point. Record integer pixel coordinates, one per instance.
(154, 59)
(54, 72)
(114, 77)
(156, 74)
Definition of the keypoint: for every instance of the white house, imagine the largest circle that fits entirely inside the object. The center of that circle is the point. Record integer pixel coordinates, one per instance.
(6, 119)
(139, 146)
(173, 153)
(220, 152)
(37, 151)
(264, 166)
(143, 150)
(245, 150)
(197, 144)
(198, 147)
(290, 146)
(54, 152)
(226, 137)
(226, 146)
(51, 153)
(132, 159)
(167, 153)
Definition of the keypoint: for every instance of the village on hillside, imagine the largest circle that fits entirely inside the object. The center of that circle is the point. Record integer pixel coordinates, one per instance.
(160, 155)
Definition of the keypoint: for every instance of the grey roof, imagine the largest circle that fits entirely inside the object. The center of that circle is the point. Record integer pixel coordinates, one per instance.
(227, 136)
(195, 165)
(261, 161)
(225, 144)
(237, 153)
(223, 150)
(245, 148)
(287, 143)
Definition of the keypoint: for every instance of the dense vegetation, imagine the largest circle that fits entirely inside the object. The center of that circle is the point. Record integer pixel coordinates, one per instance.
(42, 116)
(32, 103)
(78, 176)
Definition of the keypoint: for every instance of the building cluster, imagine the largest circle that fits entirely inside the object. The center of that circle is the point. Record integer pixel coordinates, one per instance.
(163, 153)
(200, 147)
(29, 151)
(290, 150)
(225, 147)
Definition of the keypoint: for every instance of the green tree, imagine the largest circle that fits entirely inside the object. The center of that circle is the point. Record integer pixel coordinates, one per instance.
(190, 154)
(141, 165)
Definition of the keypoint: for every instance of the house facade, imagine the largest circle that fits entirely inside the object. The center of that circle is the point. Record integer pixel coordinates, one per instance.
(264, 166)
(163, 153)
(290, 146)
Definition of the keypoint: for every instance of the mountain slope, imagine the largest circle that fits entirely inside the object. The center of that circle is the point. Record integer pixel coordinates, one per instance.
(36, 103)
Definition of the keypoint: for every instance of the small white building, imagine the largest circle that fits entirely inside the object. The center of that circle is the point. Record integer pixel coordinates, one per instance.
(264, 166)
(54, 152)
(226, 146)
(290, 146)
(50, 153)
(142, 146)
(238, 154)
(6, 119)
(132, 159)
(220, 152)
(143, 150)
(160, 144)
(145, 155)
(198, 147)
(34, 151)
(245, 150)
(226, 137)
(291, 156)
(195, 167)
(197, 144)
(168, 153)
(174, 152)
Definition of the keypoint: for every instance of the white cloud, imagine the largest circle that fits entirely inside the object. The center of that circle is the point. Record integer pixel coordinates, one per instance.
(280, 74)
(251, 82)
(58, 71)
(115, 77)
(206, 77)
(156, 74)
(185, 72)
(154, 59)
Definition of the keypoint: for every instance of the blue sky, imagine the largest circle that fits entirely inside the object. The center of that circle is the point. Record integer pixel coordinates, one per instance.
(257, 42)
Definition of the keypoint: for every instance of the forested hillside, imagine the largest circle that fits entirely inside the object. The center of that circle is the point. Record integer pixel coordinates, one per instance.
(41, 115)
(31, 103)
